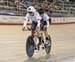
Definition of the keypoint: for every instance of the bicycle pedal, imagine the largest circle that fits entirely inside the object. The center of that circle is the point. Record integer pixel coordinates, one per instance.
(43, 48)
(37, 48)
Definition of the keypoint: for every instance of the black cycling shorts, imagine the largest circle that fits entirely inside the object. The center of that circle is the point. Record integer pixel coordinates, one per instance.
(43, 25)
(34, 25)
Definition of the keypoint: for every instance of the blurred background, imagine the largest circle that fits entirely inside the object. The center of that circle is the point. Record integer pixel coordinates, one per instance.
(55, 8)
(62, 30)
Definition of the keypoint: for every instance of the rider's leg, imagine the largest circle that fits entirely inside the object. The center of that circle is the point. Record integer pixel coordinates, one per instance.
(35, 40)
(39, 36)
(46, 32)
(33, 33)
(41, 39)
(46, 35)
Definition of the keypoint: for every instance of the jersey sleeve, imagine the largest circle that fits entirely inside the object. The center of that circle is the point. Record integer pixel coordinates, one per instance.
(26, 20)
(46, 17)
(38, 18)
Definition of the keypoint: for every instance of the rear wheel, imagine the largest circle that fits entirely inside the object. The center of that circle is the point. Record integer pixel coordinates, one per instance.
(48, 45)
(30, 46)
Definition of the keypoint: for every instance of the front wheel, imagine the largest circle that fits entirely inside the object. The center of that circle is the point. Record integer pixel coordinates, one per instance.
(30, 46)
(48, 45)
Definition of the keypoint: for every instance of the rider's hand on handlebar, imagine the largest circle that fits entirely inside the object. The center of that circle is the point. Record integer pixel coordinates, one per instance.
(38, 28)
(24, 28)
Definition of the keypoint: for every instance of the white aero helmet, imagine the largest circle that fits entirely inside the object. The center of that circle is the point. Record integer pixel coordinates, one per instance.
(31, 9)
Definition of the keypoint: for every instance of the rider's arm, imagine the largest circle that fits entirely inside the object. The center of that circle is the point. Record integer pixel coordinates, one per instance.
(38, 23)
(46, 18)
(38, 18)
(26, 20)
(47, 23)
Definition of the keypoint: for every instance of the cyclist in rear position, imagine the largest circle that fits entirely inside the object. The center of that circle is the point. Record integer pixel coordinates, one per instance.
(44, 24)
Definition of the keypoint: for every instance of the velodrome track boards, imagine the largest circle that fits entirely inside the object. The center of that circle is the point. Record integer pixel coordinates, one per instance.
(12, 44)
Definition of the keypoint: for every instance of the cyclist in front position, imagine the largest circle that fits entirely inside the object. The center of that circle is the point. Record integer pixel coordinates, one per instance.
(33, 15)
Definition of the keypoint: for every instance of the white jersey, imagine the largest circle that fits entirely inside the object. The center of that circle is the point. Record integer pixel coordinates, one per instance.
(45, 17)
(36, 17)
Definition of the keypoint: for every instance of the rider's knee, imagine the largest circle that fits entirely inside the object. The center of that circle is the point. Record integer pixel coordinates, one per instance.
(33, 33)
(46, 33)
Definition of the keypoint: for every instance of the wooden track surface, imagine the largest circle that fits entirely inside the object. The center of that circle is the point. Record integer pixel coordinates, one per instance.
(12, 44)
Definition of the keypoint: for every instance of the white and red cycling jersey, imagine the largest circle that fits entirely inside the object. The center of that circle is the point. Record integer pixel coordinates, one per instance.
(36, 18)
